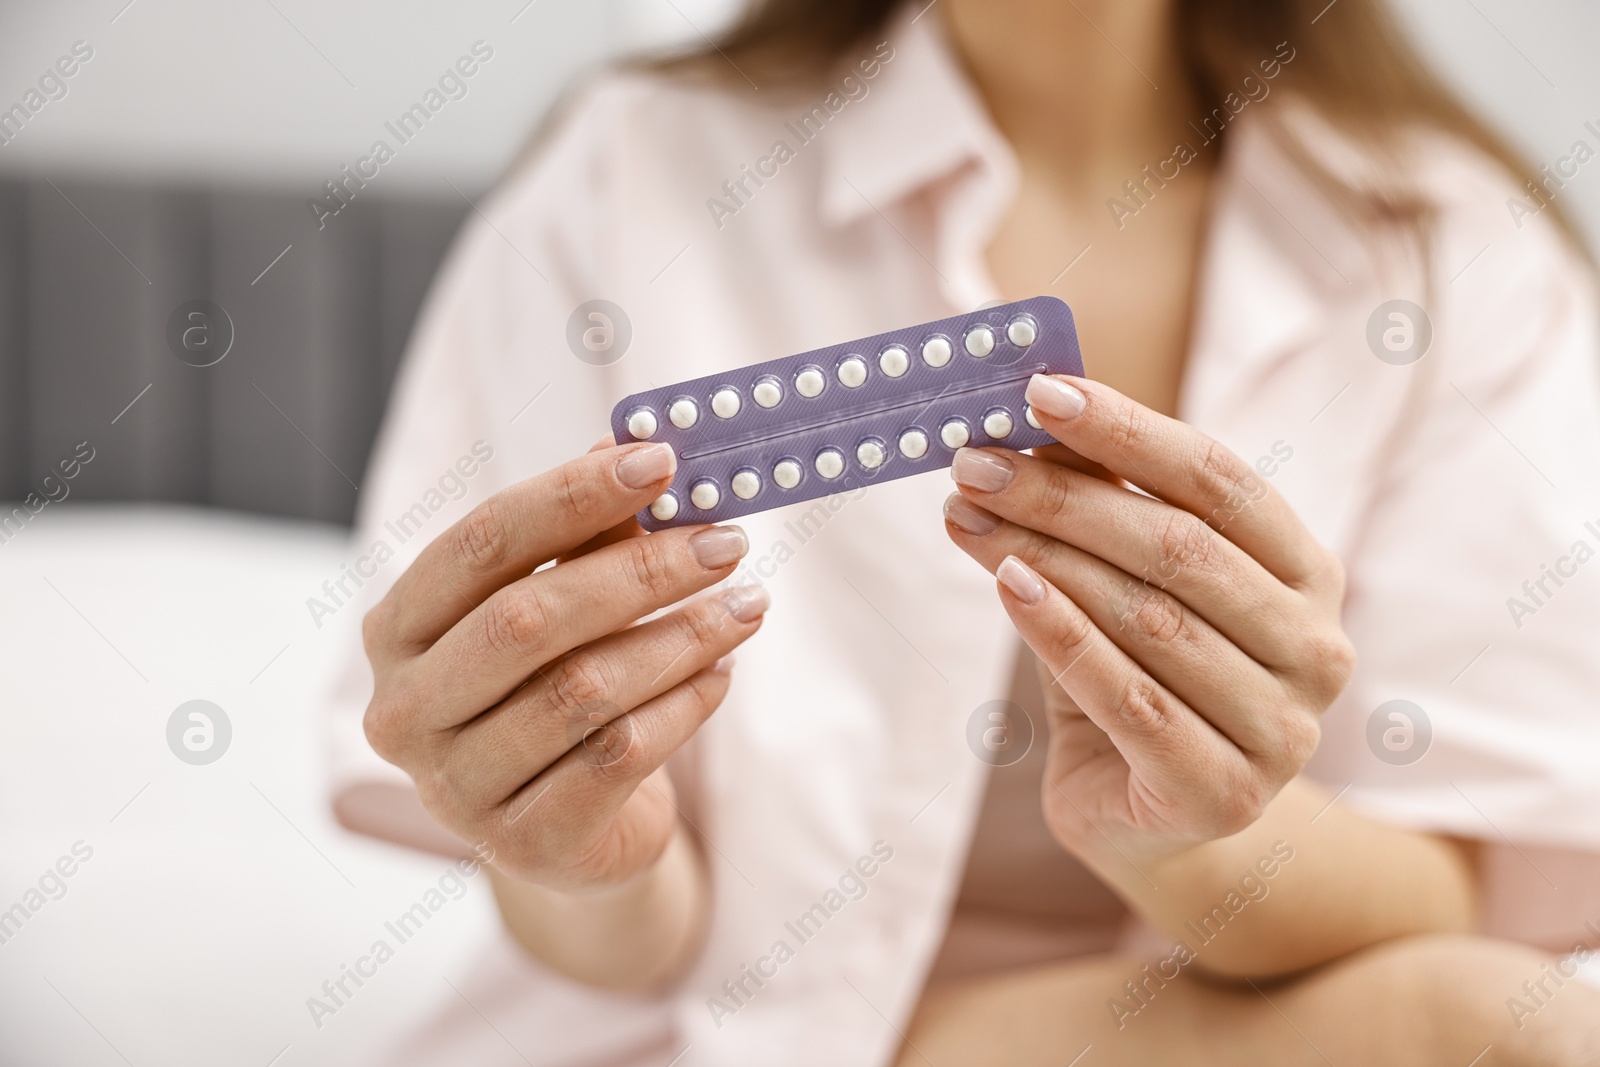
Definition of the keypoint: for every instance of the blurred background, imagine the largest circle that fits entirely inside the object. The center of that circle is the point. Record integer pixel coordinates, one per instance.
(172, 175)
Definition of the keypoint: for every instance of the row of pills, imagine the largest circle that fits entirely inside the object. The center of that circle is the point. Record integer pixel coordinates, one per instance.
(871, 453)
(851, 371)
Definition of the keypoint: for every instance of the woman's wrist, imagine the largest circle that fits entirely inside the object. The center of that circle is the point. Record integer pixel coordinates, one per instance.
(1307, 882)
(639, 935)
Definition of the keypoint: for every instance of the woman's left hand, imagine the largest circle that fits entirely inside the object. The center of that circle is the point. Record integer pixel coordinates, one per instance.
(1191, 636)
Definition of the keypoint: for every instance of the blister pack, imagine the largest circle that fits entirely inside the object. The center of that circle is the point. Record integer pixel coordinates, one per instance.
(837, 418)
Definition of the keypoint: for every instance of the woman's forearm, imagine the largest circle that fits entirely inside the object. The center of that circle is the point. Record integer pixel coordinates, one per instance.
(636, 936)
(1306, 883)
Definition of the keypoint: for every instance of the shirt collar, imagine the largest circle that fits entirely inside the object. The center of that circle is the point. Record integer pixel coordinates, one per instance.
(920, 121)
(923, 124)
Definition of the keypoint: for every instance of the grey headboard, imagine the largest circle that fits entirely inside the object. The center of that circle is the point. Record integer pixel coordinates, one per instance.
(91, 272)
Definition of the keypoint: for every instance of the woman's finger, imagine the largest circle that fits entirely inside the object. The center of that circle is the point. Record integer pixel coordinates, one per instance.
(1179, 464)
(1243, 700)
(511, 534)
(1154, 543)
(566, 702)
(563, 816)
(1179, 762)
(623, 530)
(1063, 456)
(522, 627)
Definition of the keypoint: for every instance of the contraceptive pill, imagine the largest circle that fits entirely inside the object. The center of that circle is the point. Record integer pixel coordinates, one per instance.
(725, 403)
(852, 372)
(842, 417)
(894, 361)
(665, 508)
(684, 413)
(705, 495)
(642, 424)
(746, 484)
(767, 392)
(936, 351)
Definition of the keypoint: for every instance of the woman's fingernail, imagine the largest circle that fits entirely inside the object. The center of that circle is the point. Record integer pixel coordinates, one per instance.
(723, 665)
(963, 514)
(747, 603)
(1020, 581)
(646, 466)
(719, 546)
(1054, 397)
(983, 471)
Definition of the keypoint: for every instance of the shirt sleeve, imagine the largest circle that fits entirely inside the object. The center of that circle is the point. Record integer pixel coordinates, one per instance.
(1474, 584)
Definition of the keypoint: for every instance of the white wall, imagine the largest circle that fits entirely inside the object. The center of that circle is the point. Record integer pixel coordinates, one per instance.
(1528, 66)
(230, 89)
(288, 90)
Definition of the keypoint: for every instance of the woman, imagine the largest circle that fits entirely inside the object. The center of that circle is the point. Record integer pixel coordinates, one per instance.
(1358, 403)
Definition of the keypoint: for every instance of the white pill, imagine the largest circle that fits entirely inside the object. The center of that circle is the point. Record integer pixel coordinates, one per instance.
(746, 484)
(767, 392)
(870, 454)
(1032, 419)
(786, 474)
(684, 413)
(893, 361)
(665, 507)
(980, 341)
(954, 434)
(725, 402)
(936, 352)
(1022, 332)
(830, 463)
(997, 424)
(642, 424)
(852, 372)
(913, 444)
(704, 495)
(809, 382)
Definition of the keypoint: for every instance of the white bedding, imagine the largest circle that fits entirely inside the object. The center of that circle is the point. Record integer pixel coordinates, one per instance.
(203, 920)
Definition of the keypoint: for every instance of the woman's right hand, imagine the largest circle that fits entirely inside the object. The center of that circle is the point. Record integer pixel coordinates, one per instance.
(526, 706)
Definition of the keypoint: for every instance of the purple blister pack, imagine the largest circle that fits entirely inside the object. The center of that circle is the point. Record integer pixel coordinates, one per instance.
(838, 418)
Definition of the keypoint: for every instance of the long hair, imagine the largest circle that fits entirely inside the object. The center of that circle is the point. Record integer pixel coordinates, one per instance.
(1352, 65)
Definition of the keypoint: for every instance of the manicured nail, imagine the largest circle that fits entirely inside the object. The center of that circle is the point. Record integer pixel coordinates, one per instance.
(723, 665)
(719, 546)
(983, 471)
(963, 514)
(1054, 397)
(1020, 581)
(747, 603)
(646, 466)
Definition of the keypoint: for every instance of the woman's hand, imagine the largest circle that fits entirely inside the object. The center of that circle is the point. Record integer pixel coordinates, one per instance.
(526, 706)
(1192, 640)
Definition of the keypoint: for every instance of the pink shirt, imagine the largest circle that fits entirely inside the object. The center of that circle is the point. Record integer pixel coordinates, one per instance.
(1444, 485)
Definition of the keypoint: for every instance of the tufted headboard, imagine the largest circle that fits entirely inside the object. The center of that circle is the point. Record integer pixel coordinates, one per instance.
(98, 281)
